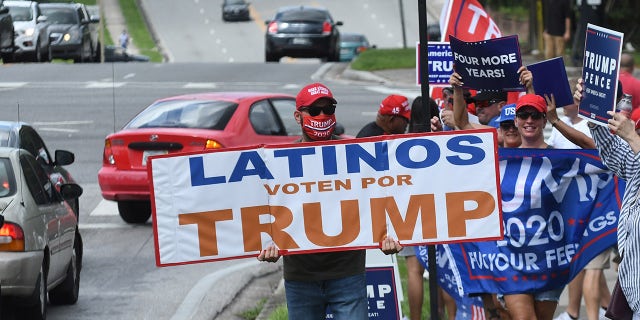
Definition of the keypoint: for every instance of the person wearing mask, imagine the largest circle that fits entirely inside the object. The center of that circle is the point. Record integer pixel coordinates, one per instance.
(315, 281)
(392, 118)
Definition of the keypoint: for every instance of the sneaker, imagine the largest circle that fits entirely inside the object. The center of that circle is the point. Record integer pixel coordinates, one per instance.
(564, 316)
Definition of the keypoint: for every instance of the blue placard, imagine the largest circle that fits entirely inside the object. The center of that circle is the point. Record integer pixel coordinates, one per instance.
(600, 68)
(550, 77)
(440, 62)
(488, 64)
(381, 294)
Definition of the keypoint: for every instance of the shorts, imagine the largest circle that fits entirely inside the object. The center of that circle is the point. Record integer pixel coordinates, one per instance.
(549, 295)
(407, 252)
(601, 261)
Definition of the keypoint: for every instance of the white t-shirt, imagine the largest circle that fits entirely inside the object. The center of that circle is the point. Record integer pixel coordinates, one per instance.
(558, 141)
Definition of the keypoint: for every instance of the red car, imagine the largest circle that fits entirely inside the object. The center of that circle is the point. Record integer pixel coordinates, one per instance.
(188, 123)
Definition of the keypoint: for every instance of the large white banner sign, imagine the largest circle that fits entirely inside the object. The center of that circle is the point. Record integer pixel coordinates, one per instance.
(335, 195)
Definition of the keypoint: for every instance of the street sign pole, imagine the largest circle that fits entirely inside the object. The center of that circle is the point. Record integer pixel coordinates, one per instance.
(424, 85)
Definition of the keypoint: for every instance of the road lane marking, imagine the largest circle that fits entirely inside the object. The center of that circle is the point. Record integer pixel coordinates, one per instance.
(200, 85)
(104, 85)
(105, 208)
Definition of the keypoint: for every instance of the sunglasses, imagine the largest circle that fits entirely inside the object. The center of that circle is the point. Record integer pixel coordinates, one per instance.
(314, 111)
(485, 104)
(507, 125)
(535, 115)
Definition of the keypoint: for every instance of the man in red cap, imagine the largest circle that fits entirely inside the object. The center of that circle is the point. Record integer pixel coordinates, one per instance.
(393, 117)
(315, 281)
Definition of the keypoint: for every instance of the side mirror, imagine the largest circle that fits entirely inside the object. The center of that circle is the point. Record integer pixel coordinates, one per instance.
(70, 191)
(4, 10)
(64, 157)
(41, 19)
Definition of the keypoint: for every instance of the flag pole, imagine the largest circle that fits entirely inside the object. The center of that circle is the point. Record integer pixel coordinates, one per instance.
(424, 86)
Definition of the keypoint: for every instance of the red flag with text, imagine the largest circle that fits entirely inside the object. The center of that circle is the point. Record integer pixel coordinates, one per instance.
(468, 21)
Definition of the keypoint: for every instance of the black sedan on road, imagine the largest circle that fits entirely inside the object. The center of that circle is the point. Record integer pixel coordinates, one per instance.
(302, 32)
(235, 10)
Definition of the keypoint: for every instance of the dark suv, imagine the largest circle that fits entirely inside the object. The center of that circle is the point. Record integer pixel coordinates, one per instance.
(6, 34)
(302, 32)
(73, 33)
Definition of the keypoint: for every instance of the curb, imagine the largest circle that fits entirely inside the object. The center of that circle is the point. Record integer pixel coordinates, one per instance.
(275, 300)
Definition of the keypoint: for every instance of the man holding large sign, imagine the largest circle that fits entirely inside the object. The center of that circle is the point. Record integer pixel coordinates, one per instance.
(315, 281)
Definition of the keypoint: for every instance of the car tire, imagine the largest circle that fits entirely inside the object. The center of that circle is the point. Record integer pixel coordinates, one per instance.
(36, 308)
(137, 212)
(67, 292)
(49, 55)
(271, 57)
(37, 54)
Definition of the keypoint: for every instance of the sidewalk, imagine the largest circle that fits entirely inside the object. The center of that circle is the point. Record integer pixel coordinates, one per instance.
(114, 22)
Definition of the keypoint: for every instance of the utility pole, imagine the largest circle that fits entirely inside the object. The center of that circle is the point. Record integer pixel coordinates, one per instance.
(404, 36)
(424, 86)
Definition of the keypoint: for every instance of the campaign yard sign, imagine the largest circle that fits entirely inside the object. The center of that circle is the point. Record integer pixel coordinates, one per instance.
(440, 63)
(488, 64)
(325, 196)
(382, 294)
(600, 69)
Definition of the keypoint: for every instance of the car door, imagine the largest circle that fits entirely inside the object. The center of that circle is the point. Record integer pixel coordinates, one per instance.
(31, 141)
(59, 217)
(267, 124)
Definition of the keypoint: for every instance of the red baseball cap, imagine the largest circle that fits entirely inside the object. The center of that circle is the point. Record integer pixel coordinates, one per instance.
(396, 105)
(532, 100)
(311, 93)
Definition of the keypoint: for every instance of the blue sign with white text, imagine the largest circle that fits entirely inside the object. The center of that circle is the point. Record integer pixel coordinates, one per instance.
(381, 294)
(488, 64)
(440, 62)
(560, 210)
(600, 69)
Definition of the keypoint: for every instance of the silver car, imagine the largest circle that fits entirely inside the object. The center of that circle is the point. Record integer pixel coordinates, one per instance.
(31, 31)
(40, 244)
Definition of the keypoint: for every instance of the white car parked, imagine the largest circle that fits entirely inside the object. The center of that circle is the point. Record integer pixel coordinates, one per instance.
(31, 31)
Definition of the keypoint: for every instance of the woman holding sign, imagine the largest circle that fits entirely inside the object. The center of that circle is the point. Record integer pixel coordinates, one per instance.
(530, 120)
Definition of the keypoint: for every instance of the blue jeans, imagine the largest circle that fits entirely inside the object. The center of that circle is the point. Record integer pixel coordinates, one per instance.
(345, 297)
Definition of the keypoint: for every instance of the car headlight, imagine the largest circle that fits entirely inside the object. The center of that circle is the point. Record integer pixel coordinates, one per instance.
(71, 35)
(27, 32)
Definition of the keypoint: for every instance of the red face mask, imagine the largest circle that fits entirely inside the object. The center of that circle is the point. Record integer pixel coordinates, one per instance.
(319, 127)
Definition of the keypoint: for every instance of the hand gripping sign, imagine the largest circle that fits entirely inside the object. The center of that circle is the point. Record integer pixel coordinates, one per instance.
(325, 196)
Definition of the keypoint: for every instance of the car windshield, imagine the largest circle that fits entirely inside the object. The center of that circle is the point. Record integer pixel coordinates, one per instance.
(196, 114)
(60, 15)
(20, 13)
(302, 15)
(7, 181)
